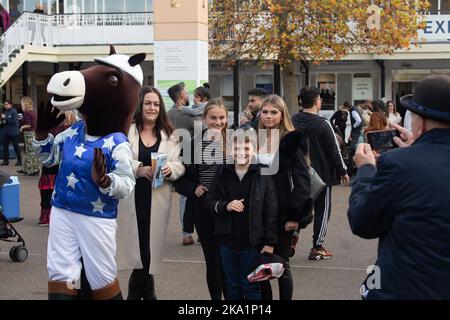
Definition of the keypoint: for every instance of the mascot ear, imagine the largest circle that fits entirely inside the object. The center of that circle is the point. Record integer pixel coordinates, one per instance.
(136, 59)
(111, 50)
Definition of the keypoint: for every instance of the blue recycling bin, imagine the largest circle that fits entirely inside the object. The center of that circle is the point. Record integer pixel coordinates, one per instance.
(10, 198)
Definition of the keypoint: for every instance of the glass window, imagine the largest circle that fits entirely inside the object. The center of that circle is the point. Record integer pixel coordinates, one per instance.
(433, 6)
(227, 85)
(89, 6)
(45, 6)
(15, 8)
(135, 5)
(445, 6)
(72, 6)
(53, 7)
(264, 82)
(29, 5)
(112, 6)
(327, 86)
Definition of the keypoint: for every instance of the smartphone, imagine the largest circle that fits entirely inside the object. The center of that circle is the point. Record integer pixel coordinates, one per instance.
(382, 140)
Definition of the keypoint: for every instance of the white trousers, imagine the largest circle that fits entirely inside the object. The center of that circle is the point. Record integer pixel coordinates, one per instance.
(74, 236)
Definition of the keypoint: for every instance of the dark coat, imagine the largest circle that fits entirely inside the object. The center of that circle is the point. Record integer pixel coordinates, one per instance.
(11, 123)
(405, 203)
(324, 152)
(292, 180)
(263, 211)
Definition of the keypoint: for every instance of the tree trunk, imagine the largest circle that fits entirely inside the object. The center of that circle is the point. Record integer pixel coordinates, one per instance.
(289, 87)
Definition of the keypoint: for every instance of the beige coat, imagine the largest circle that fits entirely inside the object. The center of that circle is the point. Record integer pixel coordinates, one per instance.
(128, 256)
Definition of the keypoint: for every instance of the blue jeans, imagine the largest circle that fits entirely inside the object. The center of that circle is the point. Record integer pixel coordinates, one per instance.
(236, 266)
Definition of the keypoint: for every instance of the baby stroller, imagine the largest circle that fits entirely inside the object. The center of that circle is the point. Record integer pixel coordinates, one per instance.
(8, 233)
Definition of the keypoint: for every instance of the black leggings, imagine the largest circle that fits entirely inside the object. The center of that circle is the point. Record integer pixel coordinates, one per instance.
(204, 224)
(46, 197)
(285, 282)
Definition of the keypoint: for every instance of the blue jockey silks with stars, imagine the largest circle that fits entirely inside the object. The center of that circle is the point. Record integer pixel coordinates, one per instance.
(74, 188)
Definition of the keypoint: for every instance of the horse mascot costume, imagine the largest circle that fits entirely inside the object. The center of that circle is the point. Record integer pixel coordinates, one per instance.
(95, 171)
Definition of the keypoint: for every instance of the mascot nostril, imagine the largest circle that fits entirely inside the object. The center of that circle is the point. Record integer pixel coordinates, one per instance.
(95, 162)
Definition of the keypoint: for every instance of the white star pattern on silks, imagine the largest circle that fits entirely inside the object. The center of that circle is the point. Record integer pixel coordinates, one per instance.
(108, 143)
(71, 181)
(71, 132)
(79, 150)
(98, 205)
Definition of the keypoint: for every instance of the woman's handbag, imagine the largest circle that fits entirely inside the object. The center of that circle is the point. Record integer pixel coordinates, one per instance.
(317, 184)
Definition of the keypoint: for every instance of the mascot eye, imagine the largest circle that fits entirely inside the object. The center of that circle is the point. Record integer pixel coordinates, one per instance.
(114, 80)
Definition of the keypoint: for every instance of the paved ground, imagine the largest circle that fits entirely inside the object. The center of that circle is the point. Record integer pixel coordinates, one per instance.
(184, 270)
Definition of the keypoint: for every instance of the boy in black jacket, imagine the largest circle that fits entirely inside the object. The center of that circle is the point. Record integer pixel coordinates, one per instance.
(244, 205)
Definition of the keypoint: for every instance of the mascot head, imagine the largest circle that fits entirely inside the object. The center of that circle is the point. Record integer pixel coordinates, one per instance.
(105, 94)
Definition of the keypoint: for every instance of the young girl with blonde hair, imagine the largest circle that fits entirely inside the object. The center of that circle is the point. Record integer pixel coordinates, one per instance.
(207, 154)
(292, 182)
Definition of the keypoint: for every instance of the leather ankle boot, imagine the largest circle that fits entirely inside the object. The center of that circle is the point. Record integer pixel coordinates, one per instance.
(149, 291)
(136, 284)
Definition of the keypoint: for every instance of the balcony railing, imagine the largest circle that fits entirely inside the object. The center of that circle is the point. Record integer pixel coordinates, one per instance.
(77, 29)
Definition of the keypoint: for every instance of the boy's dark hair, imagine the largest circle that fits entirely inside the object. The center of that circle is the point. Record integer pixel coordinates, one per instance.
(174, 91)
(9, 101)
(258, 92)
(308, 96)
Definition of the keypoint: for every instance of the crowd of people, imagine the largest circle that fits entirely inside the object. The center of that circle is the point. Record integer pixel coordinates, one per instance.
(240, 213)
(237, 212)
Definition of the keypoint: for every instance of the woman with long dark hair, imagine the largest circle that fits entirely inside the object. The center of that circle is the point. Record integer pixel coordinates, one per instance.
(151, 207)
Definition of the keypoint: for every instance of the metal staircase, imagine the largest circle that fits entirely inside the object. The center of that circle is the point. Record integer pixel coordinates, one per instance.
(38, 37)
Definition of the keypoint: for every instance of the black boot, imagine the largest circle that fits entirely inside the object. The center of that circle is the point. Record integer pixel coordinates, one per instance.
(61, 296)
(136, 284)
(149, 291)
(117, 297)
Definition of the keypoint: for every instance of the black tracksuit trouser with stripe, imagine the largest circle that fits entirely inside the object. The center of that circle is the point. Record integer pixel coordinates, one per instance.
(322, 212)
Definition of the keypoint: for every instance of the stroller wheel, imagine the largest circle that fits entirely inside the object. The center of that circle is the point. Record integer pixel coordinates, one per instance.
(12, 253)
(18, 253)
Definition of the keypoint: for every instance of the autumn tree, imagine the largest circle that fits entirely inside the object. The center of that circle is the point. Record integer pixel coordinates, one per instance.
(289, 31)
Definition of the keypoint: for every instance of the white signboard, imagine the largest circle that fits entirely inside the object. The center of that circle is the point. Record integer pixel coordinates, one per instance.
(362, 88)
(437, 28)
(177, 61)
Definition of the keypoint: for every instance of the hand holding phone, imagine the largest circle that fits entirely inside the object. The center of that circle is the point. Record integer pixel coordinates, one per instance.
(382, 140)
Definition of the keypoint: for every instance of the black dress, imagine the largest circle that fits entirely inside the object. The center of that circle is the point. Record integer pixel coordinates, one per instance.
(143, 202)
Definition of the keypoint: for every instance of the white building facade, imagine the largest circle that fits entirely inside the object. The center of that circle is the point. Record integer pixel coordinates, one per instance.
(72, 32)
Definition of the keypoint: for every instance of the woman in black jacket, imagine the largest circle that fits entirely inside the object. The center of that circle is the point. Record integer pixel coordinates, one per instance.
(285, 152)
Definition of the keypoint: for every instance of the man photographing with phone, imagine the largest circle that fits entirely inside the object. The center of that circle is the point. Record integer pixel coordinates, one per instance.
(402, 199)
